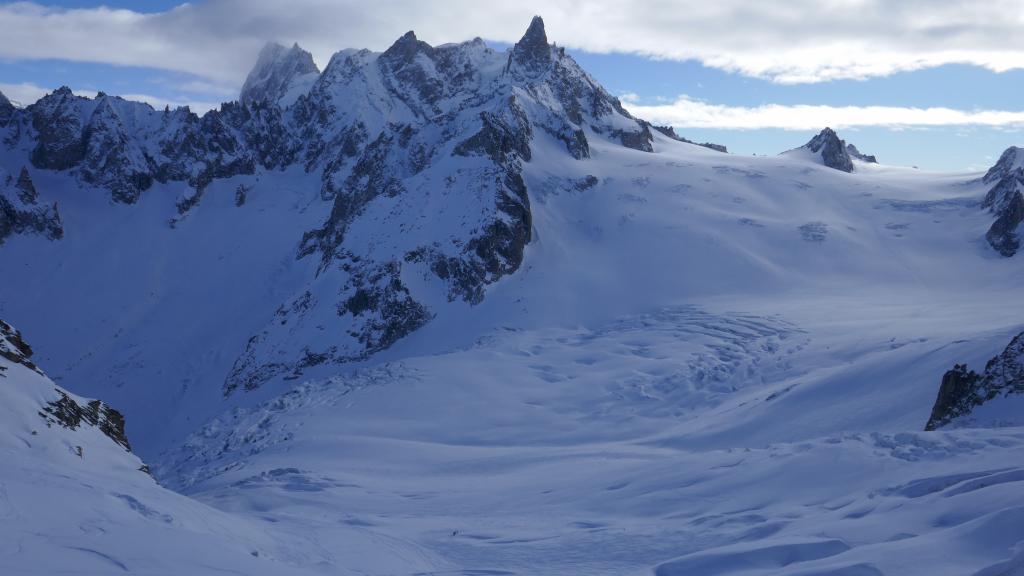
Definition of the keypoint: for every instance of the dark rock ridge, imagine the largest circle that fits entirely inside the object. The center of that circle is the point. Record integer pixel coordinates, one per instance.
(857, 154)
(125, 147)
(831, 149)
(671, 133)
(1005, 201)
(6, 109)
(14, 349)
(962, 390)
(64, 410)
(22, 213)
(277, 72)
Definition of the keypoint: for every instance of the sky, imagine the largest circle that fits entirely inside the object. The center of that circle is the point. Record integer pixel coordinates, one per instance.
(928, 83)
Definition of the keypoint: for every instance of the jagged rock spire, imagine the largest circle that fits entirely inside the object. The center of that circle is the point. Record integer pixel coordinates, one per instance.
(26, 189)
(405, 48)
(532, 54)
(277, 71)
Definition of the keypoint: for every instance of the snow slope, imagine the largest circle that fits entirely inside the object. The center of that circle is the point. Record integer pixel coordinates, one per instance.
(698, 363)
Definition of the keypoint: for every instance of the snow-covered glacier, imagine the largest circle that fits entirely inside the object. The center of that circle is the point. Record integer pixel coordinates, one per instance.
(454, 310)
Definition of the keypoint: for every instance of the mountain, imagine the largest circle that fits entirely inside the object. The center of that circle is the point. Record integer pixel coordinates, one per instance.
(827, 149)
(454, 309)
(280, 75)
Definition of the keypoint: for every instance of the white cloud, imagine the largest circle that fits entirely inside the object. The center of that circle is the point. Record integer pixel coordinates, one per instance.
(793, 41)
(686, 112)
(24, 93)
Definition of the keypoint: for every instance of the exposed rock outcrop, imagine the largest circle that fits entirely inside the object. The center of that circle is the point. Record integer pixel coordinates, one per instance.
(963, 391)
(671, 133)
(63, 410)
(857, 154)
(21, 212)
(830, 149)
(1006, 201)
(6, 109)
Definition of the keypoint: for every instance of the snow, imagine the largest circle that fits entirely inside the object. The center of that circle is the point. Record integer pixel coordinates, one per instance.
(707, 364)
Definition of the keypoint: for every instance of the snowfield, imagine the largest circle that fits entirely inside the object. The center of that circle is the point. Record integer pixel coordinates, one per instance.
(704, 364)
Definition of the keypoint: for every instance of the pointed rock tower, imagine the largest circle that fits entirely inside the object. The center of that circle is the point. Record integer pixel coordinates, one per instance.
(280, 75)
(531, 56)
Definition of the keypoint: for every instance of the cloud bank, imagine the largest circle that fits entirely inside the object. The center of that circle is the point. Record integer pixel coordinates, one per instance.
(686, 112)
(796, 41)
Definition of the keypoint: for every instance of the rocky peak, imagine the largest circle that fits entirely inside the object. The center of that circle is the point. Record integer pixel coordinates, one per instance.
(855, 153)
(532, 54)
(832, 150)
(278, 74)
(1011, 161)
(6, 109)
(1005, 199)
(405, 49)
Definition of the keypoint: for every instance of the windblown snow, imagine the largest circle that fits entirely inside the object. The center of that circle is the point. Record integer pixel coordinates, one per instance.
(469, 316)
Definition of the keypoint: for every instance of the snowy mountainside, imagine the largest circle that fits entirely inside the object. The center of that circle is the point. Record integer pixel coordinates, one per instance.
(75, 500)
(453, 310)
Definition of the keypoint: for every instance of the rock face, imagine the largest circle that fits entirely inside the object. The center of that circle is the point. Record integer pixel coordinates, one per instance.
(63, 410)
(831, 149)
(124, 147)
(1005, 201)
(963, 391)
(6, 109)
(856, 154)
(21, 212)
(280, 76)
